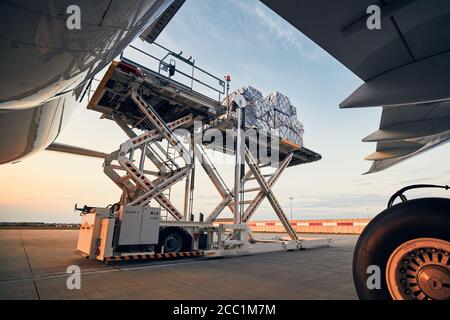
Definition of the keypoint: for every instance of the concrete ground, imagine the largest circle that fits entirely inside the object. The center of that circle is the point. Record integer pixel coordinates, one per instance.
(33, 265)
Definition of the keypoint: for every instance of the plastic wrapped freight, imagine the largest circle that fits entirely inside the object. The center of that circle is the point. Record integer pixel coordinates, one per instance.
(273, 113)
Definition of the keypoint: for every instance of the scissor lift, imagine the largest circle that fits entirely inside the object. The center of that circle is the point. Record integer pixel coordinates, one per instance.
(149, 106)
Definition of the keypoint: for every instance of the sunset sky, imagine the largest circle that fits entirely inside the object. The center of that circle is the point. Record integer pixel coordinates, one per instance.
(256, 47)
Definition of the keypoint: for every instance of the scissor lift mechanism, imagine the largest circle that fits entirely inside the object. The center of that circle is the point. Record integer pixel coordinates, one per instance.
(138, 98)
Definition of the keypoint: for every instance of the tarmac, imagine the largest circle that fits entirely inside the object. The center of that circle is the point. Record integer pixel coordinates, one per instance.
(33, 265)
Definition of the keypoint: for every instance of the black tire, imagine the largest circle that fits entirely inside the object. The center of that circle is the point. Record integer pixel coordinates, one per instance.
(175, 234)
(419, 218)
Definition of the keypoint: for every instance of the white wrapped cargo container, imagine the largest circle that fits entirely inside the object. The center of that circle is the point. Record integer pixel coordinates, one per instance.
(273, 113)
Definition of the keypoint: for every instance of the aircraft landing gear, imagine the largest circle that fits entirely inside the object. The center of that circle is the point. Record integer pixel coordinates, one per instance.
(409, 243)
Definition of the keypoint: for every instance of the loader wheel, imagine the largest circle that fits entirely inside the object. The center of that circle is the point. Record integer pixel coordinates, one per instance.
(173, 239)
(409, 243)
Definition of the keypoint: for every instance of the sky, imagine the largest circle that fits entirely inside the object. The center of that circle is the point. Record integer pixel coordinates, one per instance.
(256, 47)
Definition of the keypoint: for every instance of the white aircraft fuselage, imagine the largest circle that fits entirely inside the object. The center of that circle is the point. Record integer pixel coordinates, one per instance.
(45, 65)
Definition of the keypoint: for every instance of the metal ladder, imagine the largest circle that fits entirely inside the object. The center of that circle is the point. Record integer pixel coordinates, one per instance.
(136, 184)
(171, 156)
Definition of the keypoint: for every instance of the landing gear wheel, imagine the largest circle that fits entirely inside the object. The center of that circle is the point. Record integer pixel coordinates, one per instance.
(418, 269)
(173, 240)
(409, 242)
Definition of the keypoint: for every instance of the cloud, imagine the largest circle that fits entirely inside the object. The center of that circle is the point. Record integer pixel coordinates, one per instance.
(289, 36)
(279, 28)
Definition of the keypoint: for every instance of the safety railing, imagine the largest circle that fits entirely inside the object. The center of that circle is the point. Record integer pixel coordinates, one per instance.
(195, 79)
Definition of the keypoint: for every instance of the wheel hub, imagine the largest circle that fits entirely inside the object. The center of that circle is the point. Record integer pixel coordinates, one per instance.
(419, 270)
(430, 280)
(172, 243)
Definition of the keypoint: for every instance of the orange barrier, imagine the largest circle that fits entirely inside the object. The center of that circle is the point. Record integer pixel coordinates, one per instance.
(338, 226)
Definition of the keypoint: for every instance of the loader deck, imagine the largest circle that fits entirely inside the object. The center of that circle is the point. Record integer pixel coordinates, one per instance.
(172, 100)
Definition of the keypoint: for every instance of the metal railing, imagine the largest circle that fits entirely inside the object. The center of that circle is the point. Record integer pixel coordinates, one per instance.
(168, 64)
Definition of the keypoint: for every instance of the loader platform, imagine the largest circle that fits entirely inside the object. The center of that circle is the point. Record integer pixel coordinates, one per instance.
(173, 100)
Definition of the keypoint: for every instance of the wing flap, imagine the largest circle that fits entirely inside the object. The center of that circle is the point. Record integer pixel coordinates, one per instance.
(406, 131)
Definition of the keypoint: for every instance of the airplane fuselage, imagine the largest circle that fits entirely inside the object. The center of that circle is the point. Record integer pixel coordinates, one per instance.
(45, 65)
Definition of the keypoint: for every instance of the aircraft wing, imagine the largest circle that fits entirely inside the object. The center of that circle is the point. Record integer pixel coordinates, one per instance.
(406, 62)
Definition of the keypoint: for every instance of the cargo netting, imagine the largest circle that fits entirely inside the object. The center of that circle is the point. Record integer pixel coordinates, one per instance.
(274, 113)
